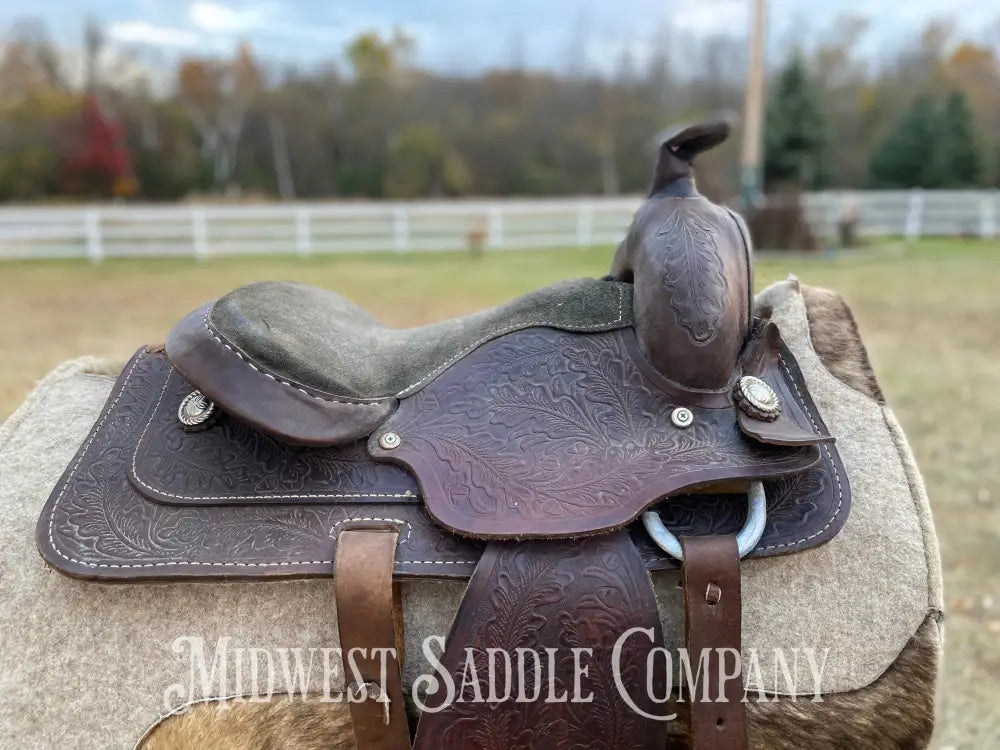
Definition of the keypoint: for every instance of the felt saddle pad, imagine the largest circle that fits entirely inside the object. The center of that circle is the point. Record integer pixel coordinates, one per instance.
(98, 661)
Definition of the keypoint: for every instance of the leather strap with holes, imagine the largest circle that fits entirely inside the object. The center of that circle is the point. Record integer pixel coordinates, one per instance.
(712, 622)
(370, 636)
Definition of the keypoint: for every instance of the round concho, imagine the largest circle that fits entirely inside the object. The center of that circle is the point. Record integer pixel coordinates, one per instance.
(195, 410)
(757, 399)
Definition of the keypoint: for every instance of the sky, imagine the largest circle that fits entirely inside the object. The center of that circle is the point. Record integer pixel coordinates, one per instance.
(465, 36)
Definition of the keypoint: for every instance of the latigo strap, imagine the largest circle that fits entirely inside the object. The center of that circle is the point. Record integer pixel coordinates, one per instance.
(370, 638)
(712, 622)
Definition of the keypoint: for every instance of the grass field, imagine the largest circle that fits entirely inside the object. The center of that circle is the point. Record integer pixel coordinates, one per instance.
(930, 315)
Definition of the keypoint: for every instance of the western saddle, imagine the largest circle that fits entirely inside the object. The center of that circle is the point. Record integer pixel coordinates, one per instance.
(552, 451)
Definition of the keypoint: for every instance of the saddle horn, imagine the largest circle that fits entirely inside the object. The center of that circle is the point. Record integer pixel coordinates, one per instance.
(689, 262)
(679, 147)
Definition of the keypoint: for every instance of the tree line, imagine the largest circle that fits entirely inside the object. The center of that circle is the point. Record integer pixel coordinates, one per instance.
(378, 126)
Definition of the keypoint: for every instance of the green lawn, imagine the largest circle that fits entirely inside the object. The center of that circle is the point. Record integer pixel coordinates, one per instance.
(930, 314)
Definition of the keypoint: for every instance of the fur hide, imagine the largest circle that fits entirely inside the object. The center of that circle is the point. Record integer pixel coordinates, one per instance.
(875, 717)
(276, 724)
(837, 342)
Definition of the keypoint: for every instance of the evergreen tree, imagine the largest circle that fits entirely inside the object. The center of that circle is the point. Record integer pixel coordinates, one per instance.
(959, 162)
(906, 158)
(796, 131)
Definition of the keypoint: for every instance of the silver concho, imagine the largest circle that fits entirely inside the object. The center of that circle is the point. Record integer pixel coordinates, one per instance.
(195, 409)
(757, 399)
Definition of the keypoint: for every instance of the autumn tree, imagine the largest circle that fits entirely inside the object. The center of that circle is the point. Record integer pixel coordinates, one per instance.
(853, 111)
(370, 123)
(216, 95)
(421, 164)
(37, 106)
(373, 106)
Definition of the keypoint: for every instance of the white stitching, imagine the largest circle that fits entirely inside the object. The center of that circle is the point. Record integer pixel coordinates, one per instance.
(300, 496)
(285, 563)
(279, 564)
(254, 367)
(402, 540)
(602, 327)
(361, 401)
(826, 448)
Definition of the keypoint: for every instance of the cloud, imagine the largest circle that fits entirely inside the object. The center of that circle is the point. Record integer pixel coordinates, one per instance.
(460, 36)
(703, 18)
(219, 18)
(147, 33)
(277, 26)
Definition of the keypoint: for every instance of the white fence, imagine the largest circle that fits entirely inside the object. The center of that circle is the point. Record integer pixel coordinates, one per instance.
(203, 231)
(906, 213)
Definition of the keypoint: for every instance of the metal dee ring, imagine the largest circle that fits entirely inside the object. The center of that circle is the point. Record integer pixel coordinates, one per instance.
(746, 540)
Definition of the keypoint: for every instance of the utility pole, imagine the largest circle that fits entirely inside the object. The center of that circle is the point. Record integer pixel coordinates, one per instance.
(753, 114)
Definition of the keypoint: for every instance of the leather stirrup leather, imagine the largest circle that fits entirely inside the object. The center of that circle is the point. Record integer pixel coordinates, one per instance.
(370, 638)
(712, 623)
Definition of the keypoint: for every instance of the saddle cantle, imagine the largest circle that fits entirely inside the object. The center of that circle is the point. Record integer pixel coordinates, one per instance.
(286, 432)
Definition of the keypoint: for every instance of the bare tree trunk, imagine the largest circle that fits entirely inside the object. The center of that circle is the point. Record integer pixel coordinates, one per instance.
(220, 141)
(609, 166)
(229, 148)
(282, 164)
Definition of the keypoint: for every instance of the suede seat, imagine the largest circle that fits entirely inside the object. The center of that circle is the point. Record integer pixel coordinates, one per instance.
(323, 341)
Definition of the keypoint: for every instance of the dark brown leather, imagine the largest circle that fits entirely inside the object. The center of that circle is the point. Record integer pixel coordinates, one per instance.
(690, 269)
(550, 434)
(680, 146)
(369, 639)
(689, 263)
(558, 595)
(288, 411)
(146, 499)
(797, 424)
(99, 524)
(712, 622)
(231, 463)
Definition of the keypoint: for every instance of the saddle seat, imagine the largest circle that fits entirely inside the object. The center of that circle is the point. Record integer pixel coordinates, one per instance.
(318, 349)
